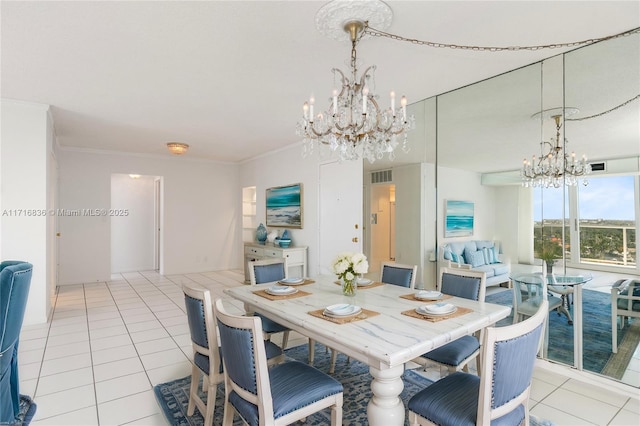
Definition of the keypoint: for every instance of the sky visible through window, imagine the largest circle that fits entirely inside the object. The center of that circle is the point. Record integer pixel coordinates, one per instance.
(607, 198)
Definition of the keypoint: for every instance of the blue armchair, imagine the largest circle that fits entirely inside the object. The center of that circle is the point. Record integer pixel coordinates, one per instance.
(15, 278)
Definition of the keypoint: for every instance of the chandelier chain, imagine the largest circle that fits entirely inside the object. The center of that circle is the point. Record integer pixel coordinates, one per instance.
(378, 33)
(604, 112)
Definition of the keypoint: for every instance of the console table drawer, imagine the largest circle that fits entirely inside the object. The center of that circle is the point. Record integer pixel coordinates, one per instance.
(256, 251)
(295, 257)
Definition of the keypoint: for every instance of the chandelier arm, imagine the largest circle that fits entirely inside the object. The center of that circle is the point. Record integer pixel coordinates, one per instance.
(343, 80)
(378, 33)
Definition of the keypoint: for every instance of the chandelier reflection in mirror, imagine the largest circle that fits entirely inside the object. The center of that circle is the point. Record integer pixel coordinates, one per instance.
(555, 165)
(354, 125)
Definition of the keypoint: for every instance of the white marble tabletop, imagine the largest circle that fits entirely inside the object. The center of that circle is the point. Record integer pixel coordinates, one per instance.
(384, 342)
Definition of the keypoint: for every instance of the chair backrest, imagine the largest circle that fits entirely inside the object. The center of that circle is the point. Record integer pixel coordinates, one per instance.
(15, 280)
(397, 274)
(508, 358)
(463, 283)
(245, 360)
(534, 286)
(268, 270)
(202, 327)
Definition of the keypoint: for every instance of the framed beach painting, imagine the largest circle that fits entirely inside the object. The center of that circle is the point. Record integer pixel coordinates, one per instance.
(284, 206)
(458, 218)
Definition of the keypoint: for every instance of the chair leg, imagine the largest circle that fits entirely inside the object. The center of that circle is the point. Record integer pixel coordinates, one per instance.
(332, 367)
(211, 404)
(193, 389)
(229, 412)
(312, 351)
(285, 339)
(614, 333)
(336, 415)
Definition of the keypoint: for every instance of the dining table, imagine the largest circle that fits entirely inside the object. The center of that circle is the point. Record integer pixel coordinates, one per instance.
(565, 284)
(385, 333)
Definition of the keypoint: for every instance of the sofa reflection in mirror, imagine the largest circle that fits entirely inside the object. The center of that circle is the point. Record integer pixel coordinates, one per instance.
(477, 255)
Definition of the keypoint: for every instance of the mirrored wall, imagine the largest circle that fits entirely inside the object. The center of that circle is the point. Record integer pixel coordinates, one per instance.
(469, 146)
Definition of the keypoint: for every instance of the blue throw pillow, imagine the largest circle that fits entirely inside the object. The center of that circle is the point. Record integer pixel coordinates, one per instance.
(457, 258)
(476, 259)
(494, 254)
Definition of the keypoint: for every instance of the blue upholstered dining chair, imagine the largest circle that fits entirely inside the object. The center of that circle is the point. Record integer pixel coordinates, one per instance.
(279, 395)
(265, 271)
(500, 395)
(397, 274)
(15, 279)
(206, 360)
(457, 354)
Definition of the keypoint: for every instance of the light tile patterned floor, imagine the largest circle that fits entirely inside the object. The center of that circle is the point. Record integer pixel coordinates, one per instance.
(109, 343)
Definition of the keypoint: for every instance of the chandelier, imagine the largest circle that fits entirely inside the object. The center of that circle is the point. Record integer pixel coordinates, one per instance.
(354, 125)
(555, 165)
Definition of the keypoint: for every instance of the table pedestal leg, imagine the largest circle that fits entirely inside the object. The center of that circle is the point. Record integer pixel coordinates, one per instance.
(386, 407)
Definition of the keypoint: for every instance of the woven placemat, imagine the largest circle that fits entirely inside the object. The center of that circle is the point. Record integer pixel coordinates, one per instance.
(364, 314)
(305, 282)
(460, 311)
(412, 296)
(263, 293)
(364, 287)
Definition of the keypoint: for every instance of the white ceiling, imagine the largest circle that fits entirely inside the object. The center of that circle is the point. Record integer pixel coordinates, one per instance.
(229, 77)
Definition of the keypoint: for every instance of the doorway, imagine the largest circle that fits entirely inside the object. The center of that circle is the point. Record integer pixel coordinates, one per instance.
(382, 225)
(135, 215)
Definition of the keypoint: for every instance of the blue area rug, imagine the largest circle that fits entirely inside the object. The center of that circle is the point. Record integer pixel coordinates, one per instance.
(173, 396)
(596, 308)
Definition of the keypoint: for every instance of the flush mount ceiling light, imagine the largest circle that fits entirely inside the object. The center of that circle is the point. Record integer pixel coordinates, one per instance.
(353, 125)
(177, 148)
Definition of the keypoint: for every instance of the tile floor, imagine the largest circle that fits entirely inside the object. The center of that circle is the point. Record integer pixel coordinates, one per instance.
(109, 343)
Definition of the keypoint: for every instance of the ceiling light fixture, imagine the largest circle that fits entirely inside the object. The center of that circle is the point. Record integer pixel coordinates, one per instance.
(555, 166)
(353, 125)
(177, 148)
(134, 176)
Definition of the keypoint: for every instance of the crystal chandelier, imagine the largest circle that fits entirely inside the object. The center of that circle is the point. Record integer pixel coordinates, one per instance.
(354, 126)
(555, 165)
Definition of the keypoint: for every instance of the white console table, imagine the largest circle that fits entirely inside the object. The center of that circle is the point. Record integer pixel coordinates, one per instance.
(296, 257)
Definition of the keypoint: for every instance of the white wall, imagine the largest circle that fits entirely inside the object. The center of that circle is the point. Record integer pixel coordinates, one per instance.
(285, 167)
(455, 184)
(200, 217)
(25, 224)
(132, 228)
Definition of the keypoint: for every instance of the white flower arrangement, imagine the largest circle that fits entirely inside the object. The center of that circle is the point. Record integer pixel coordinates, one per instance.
(348, 265)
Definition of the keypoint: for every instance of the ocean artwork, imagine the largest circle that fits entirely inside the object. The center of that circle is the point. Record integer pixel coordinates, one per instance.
(459, 218)
(284, 206)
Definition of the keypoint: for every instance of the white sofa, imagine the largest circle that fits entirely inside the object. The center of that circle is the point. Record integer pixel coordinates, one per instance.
(479, 255)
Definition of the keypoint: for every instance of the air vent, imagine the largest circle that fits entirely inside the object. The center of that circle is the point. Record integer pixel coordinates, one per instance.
(381, 176)
(598, 167)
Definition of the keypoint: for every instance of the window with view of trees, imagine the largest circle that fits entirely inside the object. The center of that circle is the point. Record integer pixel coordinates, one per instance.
(603, 218)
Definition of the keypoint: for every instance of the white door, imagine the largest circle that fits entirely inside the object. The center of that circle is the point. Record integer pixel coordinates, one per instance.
(340, 211)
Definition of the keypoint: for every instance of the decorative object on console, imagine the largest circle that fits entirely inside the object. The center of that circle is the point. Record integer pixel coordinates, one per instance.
(555, 165)
(284, 242)
(272, 237)
(348, 266)
(261, 234)
(284, 206)
(479, 255)
(177, 148)
(458, 218)
(353, 125)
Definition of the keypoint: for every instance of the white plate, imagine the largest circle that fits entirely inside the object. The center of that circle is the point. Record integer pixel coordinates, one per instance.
(362, 282)
(279, 290)
(291, 281)
(342, 310)
(437, 309)
(428, 295)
